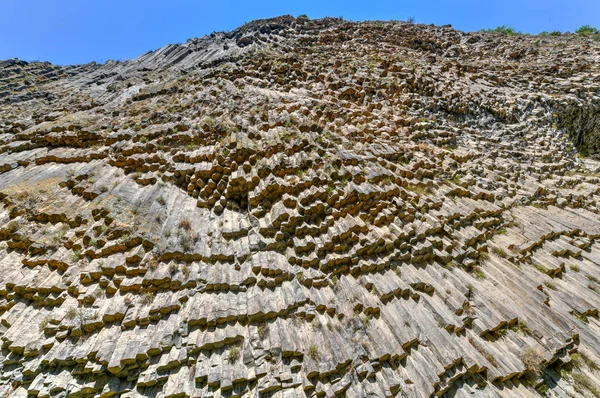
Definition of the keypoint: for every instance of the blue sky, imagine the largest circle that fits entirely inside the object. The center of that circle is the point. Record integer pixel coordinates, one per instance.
(79, 31)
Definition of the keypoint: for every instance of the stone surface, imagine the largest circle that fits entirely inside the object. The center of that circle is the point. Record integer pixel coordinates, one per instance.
(304, 208)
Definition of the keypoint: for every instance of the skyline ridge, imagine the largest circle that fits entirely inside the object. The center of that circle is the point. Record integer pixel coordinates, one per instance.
(67, 32)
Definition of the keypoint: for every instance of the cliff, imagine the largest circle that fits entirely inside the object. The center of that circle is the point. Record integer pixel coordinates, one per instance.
(310, 208)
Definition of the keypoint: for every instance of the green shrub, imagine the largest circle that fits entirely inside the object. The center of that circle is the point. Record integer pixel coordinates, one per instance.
(76, 255)
(45, 322)
(506, 30)
(587, 30)
(263, 330)
(524, 328)
(542, 388)
(313, 352)
(553, 33)
(500, 252)
(234, 354)
(579, 359)
(365, 320)
(583, 383)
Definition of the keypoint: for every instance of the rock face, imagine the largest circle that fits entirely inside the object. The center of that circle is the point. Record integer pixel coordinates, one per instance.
(304, 208)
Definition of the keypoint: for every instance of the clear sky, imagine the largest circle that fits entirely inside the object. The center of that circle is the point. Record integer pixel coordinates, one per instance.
(80, 31)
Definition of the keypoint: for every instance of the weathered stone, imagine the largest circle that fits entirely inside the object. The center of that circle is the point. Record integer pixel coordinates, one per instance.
(314, 207)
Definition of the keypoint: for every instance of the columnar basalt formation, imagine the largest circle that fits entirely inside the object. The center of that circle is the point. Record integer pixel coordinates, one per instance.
(304, 208)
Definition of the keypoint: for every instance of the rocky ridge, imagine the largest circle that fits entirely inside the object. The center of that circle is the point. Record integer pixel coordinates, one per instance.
(304, 208)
